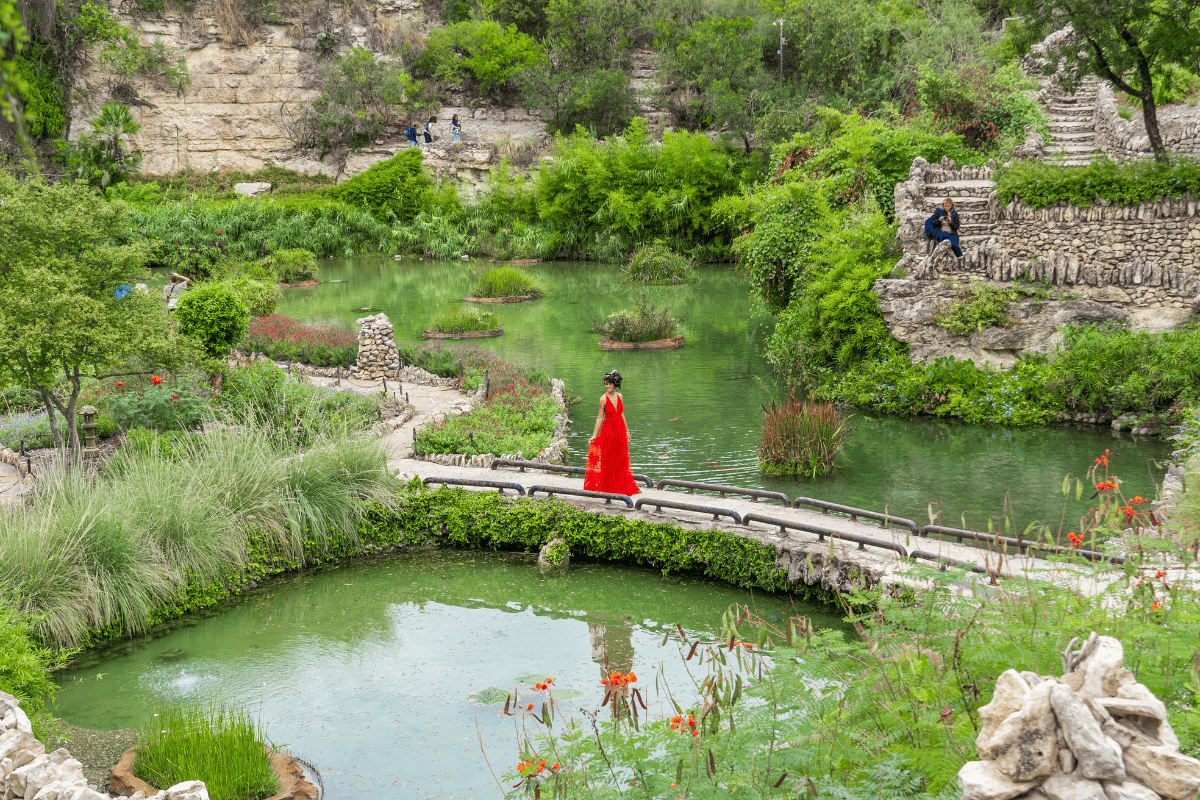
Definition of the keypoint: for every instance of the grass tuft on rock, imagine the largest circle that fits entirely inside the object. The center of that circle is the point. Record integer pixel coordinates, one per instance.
(507, 281)
(642, 324)
(658, 264)
(465, 320)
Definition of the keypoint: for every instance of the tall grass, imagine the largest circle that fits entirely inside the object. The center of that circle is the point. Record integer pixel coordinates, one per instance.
(222, 747)
(465, 320)
(507, 281)
(801, 437)
(86, 556)
(658, 264)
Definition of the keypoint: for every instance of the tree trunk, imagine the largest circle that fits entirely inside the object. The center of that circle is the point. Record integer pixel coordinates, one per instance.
(1150, 117)
(68, 414)
(58, 440)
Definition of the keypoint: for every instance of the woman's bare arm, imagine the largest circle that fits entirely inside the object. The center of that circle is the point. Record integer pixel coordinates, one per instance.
(599, 420)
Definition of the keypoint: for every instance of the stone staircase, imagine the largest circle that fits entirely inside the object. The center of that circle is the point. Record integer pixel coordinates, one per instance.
(971, 199)
(1073, 124)
(643, 77)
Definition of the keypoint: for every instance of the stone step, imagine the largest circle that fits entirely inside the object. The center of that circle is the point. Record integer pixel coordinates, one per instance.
(1076, 149)
(1071, 125)
(1082, 97)
(1079, 137)
(1062, 114)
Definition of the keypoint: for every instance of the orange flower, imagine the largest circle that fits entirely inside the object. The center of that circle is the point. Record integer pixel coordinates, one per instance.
(549, 681)
(1154, 607)
(529, 707)
(155, 380)
(1160, 574)
(1129, 512)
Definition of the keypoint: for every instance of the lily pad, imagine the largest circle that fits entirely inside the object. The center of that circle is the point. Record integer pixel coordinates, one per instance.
(533, 678)
(567, 694)
(488, 697)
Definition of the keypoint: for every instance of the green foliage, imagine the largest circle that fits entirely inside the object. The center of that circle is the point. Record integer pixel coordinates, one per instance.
(801, 437)
(192, 237)
(99, 156)
(1040, 185)
(393, 189)
(158, 407)
(1128, 371)
(40, 93)
(129, 58)
(599, 102)
(13, 38)
(24, 664)
(483, 51)
(642, 324)
(528, 15)
(980, 307)
(361, 96)
(294, 265)
(657, 264)
(284, 339)
(983, 105)
(507, 281)
(465, 320)
(214, 315)
(221, 746)
(292, 413)
(259, 297)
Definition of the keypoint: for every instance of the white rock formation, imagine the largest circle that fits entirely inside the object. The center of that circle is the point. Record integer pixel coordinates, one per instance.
(1093, 734)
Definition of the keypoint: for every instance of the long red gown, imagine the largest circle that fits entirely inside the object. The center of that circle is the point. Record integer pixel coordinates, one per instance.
(608, 456)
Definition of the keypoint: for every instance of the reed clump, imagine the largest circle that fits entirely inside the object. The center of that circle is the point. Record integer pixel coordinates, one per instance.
(658, 264)
(801, 437)
(465, 320)
(645, 323)
(507, 281)
(221, 746)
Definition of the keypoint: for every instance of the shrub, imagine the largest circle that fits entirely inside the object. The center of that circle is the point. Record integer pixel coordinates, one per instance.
(643, 324)
(981, 307)
(465, 320)
(285, 339)
(220, 746)
(981, 104)
(160, 407)
(800, 438)
(657, 264)
(260, 297)
(294, 265)
(213, 314)
(507, 281)
(395, 188)
(482, 51)
(16, 398)
(32, 429)
(600, 102)
(1040, 185)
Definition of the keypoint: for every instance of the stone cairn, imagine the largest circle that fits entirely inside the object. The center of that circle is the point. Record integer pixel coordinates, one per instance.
(27, 771)
(377, 353)
(1093, 734)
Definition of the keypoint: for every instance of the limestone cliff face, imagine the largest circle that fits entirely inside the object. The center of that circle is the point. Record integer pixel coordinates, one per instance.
(245, 81)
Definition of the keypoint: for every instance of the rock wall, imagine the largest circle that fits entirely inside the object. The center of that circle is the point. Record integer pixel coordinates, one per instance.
(246, 83)
(1094, 733)
(1128, 264)
(27, 771)
(1119, 138)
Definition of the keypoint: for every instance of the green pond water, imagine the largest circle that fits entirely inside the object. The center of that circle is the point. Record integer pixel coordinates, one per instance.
(695, 413)
(366, 670)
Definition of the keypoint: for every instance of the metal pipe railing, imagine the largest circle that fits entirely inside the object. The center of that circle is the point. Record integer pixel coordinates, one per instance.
(882, 518)
(608, 497)
(547, 467)
(862, 541)
(499, 486)
(716, 512)
(721, 490)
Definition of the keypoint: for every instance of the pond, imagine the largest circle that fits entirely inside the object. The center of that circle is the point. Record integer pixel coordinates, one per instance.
(695, 413)
(366, 670)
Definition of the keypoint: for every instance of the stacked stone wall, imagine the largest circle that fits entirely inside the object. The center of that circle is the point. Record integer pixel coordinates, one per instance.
(1121, 139)
(377, 353)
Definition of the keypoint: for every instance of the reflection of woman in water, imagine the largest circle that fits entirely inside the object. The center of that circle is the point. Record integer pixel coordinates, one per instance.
(608, 453)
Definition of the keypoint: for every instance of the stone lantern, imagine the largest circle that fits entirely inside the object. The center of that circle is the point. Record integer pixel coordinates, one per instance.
(89, 431)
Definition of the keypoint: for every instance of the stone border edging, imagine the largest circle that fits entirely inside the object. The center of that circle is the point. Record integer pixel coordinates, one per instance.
(432, 334)
(299, 285)
(516, 298)
(292, 785)
(672, 343)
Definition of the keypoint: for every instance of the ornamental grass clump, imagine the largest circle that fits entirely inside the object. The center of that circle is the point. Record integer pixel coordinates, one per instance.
(658, 264)
(465, 320)
(642, 324)
(507, 281)
(801, 437)
(221, 746)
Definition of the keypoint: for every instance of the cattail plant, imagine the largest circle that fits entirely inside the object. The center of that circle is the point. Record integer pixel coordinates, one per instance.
(801, 437)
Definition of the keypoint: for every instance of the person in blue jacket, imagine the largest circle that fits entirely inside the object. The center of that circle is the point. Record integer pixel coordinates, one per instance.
(943, 226)
(410, 133)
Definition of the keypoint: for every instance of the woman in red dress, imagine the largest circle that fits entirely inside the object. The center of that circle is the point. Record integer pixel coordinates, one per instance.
(608, 452)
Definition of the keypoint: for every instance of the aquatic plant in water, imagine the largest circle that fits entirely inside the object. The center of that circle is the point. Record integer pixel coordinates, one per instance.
(801, 437)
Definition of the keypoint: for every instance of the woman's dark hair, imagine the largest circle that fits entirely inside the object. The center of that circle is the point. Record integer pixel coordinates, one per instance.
(614, 378)
(433, 119)
(454, 117)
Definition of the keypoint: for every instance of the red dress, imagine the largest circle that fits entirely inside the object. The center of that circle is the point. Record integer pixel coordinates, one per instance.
(608, 456)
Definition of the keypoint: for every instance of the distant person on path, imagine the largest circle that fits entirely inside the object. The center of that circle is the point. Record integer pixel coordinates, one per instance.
(456, 128)
(943, 226)
(429, 129)
(608, 452)
(410, 133)
(174, 290)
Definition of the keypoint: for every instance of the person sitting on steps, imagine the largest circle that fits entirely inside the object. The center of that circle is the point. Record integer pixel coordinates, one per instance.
(943, 226)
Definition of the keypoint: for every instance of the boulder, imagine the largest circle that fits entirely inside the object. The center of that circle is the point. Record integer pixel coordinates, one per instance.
(1025, 745)
(188, 790)
(980, 780)
(20, 746)
(1097, 760)
(1166, 771)
(1008, 698)
(1100, 669)
(253, 189)
(28, 780)
(1072, 787)
(1129, 790)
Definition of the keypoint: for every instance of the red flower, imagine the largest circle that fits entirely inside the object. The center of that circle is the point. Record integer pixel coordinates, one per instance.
(1129, 512)
(1160, 574)
(220, 233)
(155, 380)
(120, 384)
(174, 397)
(1154, 607)
(529, 707)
